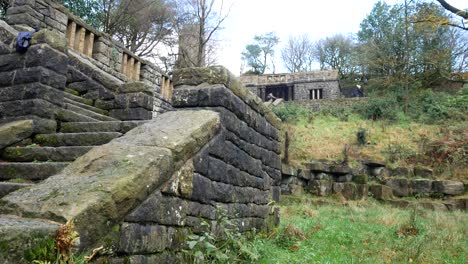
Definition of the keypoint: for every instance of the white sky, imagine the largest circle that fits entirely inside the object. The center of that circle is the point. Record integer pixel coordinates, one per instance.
(316, 18)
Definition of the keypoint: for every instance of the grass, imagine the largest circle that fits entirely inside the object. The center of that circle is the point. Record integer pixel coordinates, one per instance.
(364, 232)
(320, 136)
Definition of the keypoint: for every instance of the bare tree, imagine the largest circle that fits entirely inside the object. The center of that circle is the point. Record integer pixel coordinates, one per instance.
(298, 55)
(204, 19)
(463, 14)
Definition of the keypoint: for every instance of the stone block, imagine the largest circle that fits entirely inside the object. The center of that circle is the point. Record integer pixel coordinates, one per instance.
(147, 239)
(343, 178)
(341, 169)
(400, 187)
(422, 172)
(135, 87)
(14, 132)
(288, 170)
(37, 107)
(381, 192)
(304, 174)
(19, 235)
(421, 186)
(317, 167)
(449, 187)
(131, 114)
(276, 193)
(31, 91)
(134, 100)
(320, 187)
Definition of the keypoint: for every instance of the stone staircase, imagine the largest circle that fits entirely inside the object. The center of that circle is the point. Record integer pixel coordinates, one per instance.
(81, 127)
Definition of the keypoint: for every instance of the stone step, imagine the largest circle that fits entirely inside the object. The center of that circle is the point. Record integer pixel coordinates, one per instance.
(8, 187)
(75, 139)
(88, 113)
(87, 107)
(111, 126)
(78, 99)
(65, 115)
(30, 171)
(25, 154)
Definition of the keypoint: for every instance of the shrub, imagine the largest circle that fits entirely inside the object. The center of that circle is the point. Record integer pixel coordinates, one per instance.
(397, 152)
(291, 111)
(380, 108)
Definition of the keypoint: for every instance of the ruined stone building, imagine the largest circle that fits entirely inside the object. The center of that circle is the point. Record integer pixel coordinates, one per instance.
(302, 86)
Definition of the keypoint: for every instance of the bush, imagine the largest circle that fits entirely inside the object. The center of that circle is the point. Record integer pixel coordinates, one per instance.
(380, 108)
(397, 152)
(291, 111)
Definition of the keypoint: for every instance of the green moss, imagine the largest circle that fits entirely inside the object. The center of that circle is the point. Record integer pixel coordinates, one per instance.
(71, 91)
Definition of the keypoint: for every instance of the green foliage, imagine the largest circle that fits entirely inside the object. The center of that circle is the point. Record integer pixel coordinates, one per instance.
(258, 54)
(292, 112)
(380, 108)
(396, 152)
(43, 253)
(223, 245)
(89, 10)
(361, 136)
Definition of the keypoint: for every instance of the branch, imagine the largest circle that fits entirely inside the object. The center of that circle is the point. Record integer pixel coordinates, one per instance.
(456, 11)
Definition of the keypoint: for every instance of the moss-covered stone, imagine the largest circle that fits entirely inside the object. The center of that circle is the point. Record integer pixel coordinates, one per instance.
(21, 239)
(51, 38)
(135, 87)
(14, 132)
(108, 182)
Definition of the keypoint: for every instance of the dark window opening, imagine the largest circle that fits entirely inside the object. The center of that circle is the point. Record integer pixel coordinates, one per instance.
(316, 94)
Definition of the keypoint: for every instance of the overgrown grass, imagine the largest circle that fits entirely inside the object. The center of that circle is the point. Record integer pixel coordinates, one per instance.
(394, 137)
(364, 232)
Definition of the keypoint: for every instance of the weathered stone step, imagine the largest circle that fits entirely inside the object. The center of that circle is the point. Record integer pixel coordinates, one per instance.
(87, 107)
(8, 187)
(111, 126)
(75, 139)
(88, 113)
(78, 99)
(30, 171)
(65, 115)
(25, 154)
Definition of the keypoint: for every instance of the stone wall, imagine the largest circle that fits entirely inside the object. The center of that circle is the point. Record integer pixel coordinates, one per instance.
(382, 183)
(145, 192)
(86, 42)
(32, 84)
(331, 90)
(299, 85)
(319, 105)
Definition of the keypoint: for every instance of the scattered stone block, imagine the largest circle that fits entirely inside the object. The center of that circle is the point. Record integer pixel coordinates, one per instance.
(449, 187)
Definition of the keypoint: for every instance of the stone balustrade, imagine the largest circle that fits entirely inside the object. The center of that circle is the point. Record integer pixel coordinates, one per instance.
(101, 50)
